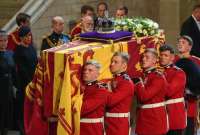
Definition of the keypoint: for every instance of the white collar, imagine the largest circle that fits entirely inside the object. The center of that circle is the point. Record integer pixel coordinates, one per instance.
(197, 22)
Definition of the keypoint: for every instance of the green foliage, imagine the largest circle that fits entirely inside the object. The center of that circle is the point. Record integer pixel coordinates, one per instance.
(140, 26)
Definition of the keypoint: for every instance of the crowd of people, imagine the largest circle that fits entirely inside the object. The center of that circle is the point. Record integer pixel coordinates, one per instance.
(167, 99)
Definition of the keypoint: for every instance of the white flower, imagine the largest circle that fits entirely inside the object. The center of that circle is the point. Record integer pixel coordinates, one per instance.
(156, 26)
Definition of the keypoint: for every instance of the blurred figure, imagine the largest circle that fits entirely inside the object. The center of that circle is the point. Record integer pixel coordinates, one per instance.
(22, 19)
(7, 83)
(26, 60)
(57, 37)
(102, 10)
(121, 12)
(191, 27)
(86, 10)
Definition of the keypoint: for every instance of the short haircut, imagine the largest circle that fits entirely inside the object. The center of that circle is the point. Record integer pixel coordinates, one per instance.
(22, 18)
(3, 33)
(166, 48)
(196, 7)
(125, 56)
(102, 3)
(151, 50)
(123, 8)
(56, 19)
(86, 8)
(94, 63)
(188, 38)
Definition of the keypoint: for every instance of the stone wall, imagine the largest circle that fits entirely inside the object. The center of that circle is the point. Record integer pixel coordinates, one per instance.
(8, 8)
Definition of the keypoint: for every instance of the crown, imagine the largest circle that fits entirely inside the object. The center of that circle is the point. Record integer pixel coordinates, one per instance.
(105, 25)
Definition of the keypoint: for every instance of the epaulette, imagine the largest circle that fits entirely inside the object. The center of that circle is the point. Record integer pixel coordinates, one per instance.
(126, 77)
(102, 85)
(46, 36)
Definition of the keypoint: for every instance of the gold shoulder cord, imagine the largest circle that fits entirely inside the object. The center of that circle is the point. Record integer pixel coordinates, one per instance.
(50, 43)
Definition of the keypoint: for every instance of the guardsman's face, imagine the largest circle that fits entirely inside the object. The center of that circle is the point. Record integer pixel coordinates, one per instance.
(183, 46)
(3, 42)
(90, 73)
(166, 58)
(148, 60)
(117, 65)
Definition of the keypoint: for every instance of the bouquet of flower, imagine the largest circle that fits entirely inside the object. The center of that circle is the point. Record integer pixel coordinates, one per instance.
(140, 26)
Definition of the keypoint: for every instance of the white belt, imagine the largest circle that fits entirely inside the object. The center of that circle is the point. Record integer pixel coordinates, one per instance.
(91, 120)
(173, 101)
(118, 115)
(153, 105)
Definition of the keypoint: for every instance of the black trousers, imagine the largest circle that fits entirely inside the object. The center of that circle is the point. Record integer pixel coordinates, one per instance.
(191, 126)
(176, 132)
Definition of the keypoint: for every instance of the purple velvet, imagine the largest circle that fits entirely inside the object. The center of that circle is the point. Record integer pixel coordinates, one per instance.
(116, 36)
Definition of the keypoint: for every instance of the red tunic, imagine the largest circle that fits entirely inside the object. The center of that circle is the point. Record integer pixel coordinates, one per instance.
(191, 102)
(151, 91)
(76, 31)
(119, 102)
(94, 102)
(13, 40)
(176, 79)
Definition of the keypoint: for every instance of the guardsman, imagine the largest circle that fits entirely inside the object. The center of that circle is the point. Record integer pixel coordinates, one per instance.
(151, 117)
(176, 79)
(22, 19)
(184, 47)
(57, 37)
(119, 101)
(95, 98)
